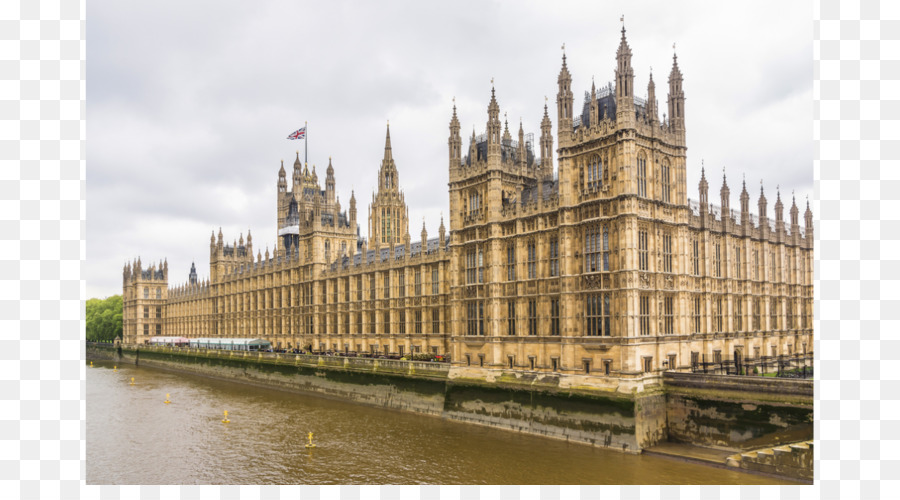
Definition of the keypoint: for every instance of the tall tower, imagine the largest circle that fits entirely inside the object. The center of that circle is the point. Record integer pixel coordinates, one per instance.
(144, 301)
(624, 85)
(676, 99)
(388, 214)
(564, 104)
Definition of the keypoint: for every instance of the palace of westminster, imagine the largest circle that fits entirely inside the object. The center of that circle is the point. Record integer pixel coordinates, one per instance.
(602, 268)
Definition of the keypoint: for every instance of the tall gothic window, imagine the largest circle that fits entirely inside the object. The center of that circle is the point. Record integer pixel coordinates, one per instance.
(511, 317)
(667, 252)
(402, 320)
(434, 280)
(596, 249)
(739, 314)
(664, 179)
(642, 176)
(554, 257)
(756, 323)
(696, 257)
(718, 314)
(401, 283)
(737, 261)
(387, 284)
(418, 282)
(471, 268)
(718, 261)
(755, 264)
(511, 262)
(642, 251)
(435, 320)
(645, 314)
(480, 266)
(554, 316)
(596, 314)
(532, 261)
(532, 317)
(146, 292)
(698, 323)
(595, 173)
(418, 321)
(475, 318)
(773, 312)
(668, 323)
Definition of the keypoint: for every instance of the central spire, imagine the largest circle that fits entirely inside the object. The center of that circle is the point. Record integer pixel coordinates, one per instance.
(387, 144)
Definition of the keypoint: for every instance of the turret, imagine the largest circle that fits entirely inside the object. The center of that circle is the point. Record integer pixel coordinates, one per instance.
(282, 181)
(424, 237)
(442, 231)
(212, 242)
(763, 219)
(676, 98)
(353, 214)
(546, 145)
(564, 103)
(795, 214)
(624, 85)
(329, 182)
(594, 107)
(522, 153)
(808, 216)
(725, 193)
(704, 192)
(455, 141)
(493, 129)
(250, 243)
(779, 212)
(192, 276)
(652, 111)
(298, 174)
(745, 207)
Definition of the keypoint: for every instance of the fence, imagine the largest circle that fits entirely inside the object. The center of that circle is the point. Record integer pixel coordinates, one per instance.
(788, 366)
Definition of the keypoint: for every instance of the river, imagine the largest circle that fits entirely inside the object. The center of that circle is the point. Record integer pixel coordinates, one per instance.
(133, 437)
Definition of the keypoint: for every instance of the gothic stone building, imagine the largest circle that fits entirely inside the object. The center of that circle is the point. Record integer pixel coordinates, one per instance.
(602, 267)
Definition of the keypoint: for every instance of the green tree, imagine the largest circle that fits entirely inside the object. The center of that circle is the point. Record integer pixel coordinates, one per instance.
(103, 319)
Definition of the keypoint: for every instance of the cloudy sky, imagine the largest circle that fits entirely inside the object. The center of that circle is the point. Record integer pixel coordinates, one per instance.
(189, 103)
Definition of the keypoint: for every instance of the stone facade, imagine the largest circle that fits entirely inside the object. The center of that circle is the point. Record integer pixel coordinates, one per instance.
(602, 266)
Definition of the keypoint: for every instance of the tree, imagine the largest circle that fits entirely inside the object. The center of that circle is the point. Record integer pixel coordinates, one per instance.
(103, 319)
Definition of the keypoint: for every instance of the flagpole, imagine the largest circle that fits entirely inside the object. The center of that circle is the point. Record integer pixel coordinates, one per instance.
(306, 144)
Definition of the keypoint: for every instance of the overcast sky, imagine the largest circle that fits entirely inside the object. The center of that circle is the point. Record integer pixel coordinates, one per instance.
(189, 103)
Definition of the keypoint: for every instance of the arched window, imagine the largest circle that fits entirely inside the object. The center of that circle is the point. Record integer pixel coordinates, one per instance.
(158, 293)
(146, 293)
(664, 180)
(595, 173)
(642, 175)
(327, 247)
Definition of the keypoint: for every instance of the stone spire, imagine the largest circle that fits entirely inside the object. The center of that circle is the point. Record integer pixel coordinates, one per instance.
(442, 232)
(704, 191)
(298, 173)
(387, 145)
(564, 102)
(455, 141)
(652, 112)
(676, 96)
(795, 215)
(424, 237)
(763, 219)
(546, 143)
(725, 193)
(624, 83)
(745, 205)
(282, 180)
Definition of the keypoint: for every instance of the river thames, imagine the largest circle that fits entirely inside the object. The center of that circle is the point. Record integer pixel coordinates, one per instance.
(133, 437)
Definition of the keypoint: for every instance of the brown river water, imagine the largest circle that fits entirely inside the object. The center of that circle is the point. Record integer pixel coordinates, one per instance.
(133, 437)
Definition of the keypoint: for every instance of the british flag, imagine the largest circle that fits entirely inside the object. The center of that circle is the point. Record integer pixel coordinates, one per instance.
(300, 134)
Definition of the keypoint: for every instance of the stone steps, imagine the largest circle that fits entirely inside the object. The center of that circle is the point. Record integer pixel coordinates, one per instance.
(793, 460)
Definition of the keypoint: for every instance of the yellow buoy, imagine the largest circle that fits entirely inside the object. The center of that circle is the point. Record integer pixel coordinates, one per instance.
(115, 369)
(132, 381)
(310, 444)
(92, 364)
(225, 420)
(167, 399)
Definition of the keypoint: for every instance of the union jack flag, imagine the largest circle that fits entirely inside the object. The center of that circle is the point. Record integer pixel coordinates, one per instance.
(300, 134)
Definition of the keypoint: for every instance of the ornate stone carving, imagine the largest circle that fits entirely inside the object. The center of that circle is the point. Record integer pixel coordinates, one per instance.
(645, 280)
(591, 281)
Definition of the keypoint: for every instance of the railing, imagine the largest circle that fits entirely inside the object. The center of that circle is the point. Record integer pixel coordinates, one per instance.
(785, 366)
